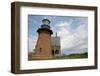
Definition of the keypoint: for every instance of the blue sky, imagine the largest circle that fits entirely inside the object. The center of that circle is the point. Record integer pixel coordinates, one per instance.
(72, 30)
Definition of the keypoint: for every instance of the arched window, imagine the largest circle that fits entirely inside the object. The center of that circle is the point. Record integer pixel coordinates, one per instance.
(53, 52)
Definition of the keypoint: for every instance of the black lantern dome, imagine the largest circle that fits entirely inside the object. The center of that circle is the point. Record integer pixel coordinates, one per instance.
(45, 26)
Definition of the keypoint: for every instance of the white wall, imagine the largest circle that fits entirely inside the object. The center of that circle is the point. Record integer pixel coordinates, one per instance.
(5, 33)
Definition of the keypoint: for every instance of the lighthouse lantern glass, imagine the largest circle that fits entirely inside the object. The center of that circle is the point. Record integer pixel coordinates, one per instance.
(46, 22)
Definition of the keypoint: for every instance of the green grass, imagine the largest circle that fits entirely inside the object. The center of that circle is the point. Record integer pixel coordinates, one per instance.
(74, 56)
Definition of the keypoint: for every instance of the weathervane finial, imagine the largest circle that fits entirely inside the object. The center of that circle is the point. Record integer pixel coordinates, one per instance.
(45, 17)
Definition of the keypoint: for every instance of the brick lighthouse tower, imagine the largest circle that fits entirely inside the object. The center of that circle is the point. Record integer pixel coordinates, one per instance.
(43, 48)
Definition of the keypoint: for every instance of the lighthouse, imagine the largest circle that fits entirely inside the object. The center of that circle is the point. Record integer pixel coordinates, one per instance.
(43, 48)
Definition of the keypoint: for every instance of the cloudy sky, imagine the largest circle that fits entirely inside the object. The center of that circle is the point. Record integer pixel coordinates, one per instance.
(72, 30)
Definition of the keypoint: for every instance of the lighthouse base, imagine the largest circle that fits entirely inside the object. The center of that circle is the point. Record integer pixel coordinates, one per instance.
(34, 56)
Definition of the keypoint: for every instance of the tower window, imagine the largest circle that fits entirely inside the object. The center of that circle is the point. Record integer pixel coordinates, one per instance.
(40, 49)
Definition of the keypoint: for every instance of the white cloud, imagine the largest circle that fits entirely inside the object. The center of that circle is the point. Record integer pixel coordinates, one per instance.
(73, 40)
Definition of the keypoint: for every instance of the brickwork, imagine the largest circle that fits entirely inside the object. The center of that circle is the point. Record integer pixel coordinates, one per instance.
(43, 46)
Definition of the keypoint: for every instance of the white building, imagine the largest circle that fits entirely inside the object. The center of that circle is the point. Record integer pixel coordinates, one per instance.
(56, 47)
